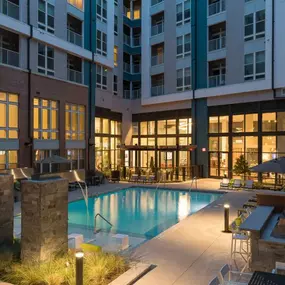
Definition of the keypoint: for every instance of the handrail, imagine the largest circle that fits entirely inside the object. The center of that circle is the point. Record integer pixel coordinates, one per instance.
(192, 182)
(101, 218)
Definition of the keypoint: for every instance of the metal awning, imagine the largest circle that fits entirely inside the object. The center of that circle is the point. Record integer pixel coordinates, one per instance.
(156, 147)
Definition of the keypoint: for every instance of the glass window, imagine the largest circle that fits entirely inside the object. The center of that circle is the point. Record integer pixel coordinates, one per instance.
(281, 121)
(151, 141)
(251, 122)
(143, 141)
(171, 141)
(183, 141)
(251, 144)
(8, 116)
(238, 123)
(45, 59)
(238, 144)
(102, 10)
(161, 141)
(269, 122)
(213, 143)
(105, 124)
(77, 3)
(183, 126)
(213, 125)
(171, 127)
(135, 128)
(101, 46)
(46, 16)
(135, 141)
(45, 119)
(268, 144)
(151, 128)
(8, 159)
(224, 124)
(281, 145)
(223, 144)
(97, 125)
(75, 122)
(101, 77)
(161, 127)
(143, 129)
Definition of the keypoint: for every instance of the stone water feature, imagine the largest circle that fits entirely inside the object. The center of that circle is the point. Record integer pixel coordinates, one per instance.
(6, 209)
(44, 218)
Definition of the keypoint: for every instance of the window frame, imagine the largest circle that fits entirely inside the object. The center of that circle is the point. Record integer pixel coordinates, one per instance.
(45, 70)
(254, 75)
(79, 134)
(100, 16)
(45, 26)
(183, 20)
(183, 87)
(101, 43)
(103, 72)
(254, 24)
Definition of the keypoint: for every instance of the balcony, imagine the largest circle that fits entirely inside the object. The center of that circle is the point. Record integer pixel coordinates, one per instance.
(136, 41)
(9, 57)
(155, 2)
(74, 75)
(157, 59)
(74, 38)
(10, 8)
(217, 44)
(133, 42)
(157, 29)
(127, 94)
(136, 94)
(217, 80)
(127, 40)
(127, 67)
(157, 90)
(136, 68)
(216, 7)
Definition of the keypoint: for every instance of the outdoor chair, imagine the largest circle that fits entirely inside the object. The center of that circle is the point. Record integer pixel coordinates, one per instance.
(225, 183)
(115, 176)
(134, 178)
(237, 183)
(151, 178)
(215, 281)
(226, 276)
(142, 178)
(248, 184)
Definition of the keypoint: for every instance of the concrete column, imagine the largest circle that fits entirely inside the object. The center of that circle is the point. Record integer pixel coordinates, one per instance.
(6, 209)
(44, 219)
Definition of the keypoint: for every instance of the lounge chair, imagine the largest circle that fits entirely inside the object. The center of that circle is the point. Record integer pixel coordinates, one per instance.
(142, 178)
(115, 176)
(225, 183)
(134, 178)
(237, 183)
(215, 281)
(226, 276)
(248, 184)
(151, 179)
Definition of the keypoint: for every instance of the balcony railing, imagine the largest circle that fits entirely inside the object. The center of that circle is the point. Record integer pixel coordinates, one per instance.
(127, 40)
(10, 9)
(157, 29)
(217, 80)
(157, 59)
(136, 68)
(154, 2)
(136, 41)
(217, 44)
(127, 67)
(74, 75)
(127, 12)
(9, 57)
(157, 90)
(127, 94)
(217, 7)
(74, 38)
(136, 94)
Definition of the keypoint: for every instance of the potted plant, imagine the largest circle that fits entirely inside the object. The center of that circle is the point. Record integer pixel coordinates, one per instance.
(241, 167)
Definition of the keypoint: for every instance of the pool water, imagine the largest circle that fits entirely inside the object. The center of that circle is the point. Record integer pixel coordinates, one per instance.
(138, 212)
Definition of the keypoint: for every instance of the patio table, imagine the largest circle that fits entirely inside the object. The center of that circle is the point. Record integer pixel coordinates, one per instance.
(265, 278)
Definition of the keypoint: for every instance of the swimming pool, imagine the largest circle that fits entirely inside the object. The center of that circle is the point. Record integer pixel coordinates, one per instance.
(137, 211)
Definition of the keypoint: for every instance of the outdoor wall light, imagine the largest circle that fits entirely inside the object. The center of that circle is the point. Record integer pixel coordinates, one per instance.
(226, 218)
(79, 267)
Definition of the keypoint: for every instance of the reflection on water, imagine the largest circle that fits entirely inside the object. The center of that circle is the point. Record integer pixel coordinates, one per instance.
(140, 211)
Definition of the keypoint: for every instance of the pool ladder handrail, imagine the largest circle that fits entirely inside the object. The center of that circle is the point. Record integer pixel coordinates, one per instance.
(160, 180)
(99, 215)
(194, 179)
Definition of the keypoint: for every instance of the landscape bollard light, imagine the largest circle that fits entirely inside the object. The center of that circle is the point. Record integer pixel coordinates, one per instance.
(226, 217)
(79, 267)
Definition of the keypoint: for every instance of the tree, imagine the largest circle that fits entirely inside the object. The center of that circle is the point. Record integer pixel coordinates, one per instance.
(241, 167)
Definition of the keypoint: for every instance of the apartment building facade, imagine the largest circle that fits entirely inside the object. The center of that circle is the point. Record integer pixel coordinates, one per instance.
(185, 82)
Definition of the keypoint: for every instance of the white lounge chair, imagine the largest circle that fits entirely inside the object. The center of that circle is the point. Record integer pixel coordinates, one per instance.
(215, 281)
(226, 275)
(237, 183)
(225, 183)
(248, 184)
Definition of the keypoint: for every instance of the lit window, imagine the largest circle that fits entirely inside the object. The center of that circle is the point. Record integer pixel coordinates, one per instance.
(45, 119)
(254, 66)
(101, 43)
(77, 158)
(8, 116)
(101, 77)
(115, 55)
(77, 3)
(45, 59)
(238, 123)
(102, 10)
(8, 159)
(269, 122)
(46, 16)
(74, 122)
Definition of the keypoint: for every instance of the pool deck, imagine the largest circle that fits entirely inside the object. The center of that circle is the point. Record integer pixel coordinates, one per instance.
(190, 252)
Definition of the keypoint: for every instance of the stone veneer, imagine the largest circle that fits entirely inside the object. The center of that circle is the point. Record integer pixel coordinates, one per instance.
(6, 209)
(44, 219)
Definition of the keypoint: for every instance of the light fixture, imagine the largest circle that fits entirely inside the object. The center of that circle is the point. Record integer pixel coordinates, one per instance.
(79, 267)
(226, 218)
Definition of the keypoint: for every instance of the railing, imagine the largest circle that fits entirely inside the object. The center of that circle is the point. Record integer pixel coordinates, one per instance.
(104, 219)
(74, 75)
(127, 12)
(136, 94)
(127, 40)
(157, 29)
(217, 80)
(154, 2)
(74, 38)
(157, 90)
(136, 68)
(217, 44)
(10, 9)
(9, 57)
(217, 7)
(127, 94)
(157, 59)
(136, 41)
(127, 67)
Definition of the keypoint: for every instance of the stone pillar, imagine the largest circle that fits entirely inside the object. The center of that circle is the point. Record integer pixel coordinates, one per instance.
(44, 219)
(6, 209)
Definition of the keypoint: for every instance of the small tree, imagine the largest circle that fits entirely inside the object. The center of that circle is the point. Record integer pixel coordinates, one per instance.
(241, 167)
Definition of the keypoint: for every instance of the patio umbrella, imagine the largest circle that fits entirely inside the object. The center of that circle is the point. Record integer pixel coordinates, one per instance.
(55, 159)
(275, 166)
